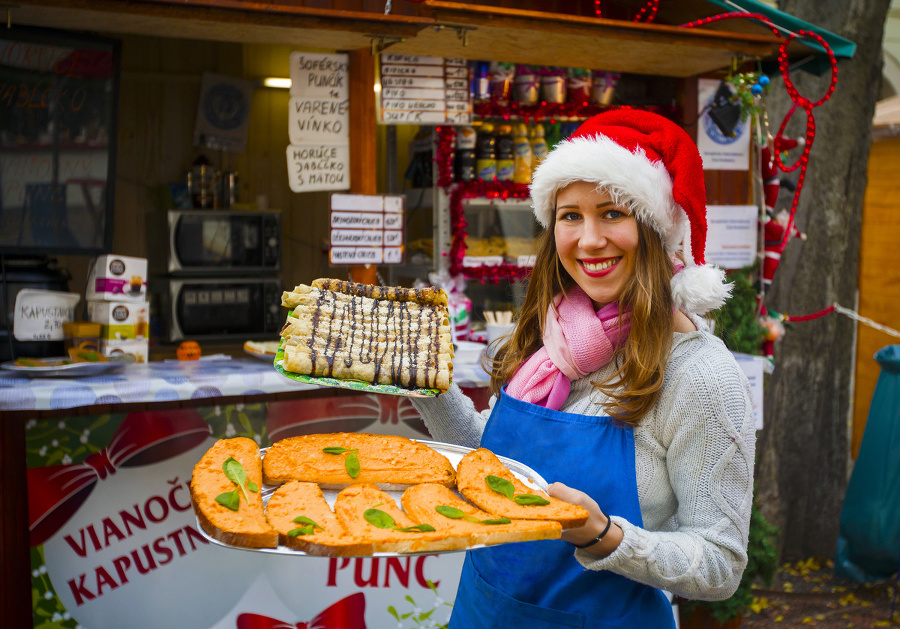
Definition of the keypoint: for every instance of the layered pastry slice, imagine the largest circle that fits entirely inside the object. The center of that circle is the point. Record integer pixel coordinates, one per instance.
(374, 334)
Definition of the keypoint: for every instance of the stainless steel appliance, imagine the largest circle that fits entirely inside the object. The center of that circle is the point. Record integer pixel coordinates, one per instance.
(223, 308)
(227, 242)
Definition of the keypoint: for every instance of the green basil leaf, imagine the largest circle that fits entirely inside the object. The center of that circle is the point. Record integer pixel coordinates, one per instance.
(303, 530)
(252, 486)
(335, 450)
(501, 485)
(304, 520)
(230, 500)
(234, 471)
(495, 521)
(450, 512)
(352, 465)
(378, 518)
(530, 499)
(424, 528)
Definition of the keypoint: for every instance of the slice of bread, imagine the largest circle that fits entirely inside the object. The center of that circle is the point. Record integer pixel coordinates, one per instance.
(471, 480)
(247, 526)
(420, 502)
(352, 503)
(295, 499)
(389, 461)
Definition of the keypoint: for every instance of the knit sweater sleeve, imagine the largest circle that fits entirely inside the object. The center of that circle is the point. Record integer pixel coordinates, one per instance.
(451, 417)
(696, 492)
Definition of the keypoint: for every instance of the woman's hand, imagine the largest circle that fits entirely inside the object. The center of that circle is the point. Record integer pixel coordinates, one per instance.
(596, 522)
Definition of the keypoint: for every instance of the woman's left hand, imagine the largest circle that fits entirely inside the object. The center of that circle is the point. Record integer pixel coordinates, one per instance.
(596, 522)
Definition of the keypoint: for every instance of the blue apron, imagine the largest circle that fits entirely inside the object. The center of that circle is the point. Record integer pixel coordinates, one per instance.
(540, 585)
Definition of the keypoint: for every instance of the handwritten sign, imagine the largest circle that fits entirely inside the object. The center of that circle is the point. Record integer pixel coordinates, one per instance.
(421, 89)
(318, 157)
(318, 167)
(40, 314)
(366, 229)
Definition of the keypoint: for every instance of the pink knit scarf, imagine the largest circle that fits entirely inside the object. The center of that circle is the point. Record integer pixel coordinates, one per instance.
(577, 341)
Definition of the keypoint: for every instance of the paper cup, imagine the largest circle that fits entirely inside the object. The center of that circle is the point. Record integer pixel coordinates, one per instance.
(496, 330)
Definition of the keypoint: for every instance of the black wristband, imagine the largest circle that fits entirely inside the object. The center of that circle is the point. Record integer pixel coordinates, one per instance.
(596, 539)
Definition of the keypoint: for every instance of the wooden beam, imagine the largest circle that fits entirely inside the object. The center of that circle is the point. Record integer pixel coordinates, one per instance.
(362, 123)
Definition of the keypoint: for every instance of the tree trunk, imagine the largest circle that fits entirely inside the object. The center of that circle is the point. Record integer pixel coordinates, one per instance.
(803, 461)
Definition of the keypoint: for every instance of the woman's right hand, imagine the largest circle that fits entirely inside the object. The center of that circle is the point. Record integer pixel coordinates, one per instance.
(596, 523)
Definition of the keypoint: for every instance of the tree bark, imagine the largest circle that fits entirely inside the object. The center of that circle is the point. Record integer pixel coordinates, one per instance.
(803, 462)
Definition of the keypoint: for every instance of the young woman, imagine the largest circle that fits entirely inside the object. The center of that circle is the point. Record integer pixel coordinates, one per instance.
(612, 388)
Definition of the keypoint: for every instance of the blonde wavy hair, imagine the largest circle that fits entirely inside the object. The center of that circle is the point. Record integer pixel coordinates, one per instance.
(635, 386)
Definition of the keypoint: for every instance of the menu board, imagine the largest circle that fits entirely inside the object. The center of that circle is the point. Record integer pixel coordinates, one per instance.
(366, 229)
(318, 157)
(419, 89)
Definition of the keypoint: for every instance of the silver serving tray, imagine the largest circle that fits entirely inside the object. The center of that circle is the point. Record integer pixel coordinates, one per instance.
(454, 454)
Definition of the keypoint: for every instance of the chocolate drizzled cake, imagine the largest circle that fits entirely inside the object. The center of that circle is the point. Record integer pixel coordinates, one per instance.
(376, 334)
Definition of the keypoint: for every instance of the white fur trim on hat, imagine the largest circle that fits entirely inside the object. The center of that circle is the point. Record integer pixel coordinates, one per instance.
(699, 289)
(631, 179)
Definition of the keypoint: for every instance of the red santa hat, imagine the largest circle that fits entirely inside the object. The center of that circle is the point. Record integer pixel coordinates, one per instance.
(650, 165)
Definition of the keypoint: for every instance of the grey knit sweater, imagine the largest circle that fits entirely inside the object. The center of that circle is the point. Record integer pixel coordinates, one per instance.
(694, 463)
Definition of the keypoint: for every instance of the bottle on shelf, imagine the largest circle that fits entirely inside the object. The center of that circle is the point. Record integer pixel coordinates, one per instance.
(538, 145)
(506, 153)
(524, 155)
(465, 154)
(486, 153)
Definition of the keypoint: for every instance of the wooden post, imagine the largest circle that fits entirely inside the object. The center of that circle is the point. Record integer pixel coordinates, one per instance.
(362, 140)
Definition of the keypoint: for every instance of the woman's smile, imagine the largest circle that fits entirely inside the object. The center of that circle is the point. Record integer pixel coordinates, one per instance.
(599, 268)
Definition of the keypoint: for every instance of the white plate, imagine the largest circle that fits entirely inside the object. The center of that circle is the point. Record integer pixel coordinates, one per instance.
(264, 350)
(454, 454)
(69, 370)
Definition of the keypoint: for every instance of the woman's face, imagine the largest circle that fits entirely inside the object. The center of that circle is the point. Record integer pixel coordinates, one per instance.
(596, 240)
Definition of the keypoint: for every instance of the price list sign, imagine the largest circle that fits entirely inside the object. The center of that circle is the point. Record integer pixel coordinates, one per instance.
(318, 156)
(366, 229)
(419, 89)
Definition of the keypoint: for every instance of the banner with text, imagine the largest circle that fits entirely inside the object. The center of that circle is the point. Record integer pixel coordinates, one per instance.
(731, 237)
(318, 156)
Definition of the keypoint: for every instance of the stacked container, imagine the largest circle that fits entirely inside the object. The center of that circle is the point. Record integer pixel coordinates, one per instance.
(116, 297)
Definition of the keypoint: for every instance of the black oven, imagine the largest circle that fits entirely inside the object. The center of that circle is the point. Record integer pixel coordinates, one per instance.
(211, 242)
(223, 309)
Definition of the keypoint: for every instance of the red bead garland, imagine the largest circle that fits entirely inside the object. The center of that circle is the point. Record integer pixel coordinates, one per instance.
(646, 14)
(799, 102)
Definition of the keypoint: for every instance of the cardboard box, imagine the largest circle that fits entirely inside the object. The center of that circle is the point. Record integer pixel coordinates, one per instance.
(139, 348)
(117, 278)
(120, 320)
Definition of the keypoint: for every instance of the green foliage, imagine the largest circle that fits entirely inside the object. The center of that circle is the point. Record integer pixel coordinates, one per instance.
(762, 561)
(736, 322)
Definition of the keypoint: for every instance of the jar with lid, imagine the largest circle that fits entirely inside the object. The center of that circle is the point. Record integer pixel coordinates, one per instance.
(506, 153)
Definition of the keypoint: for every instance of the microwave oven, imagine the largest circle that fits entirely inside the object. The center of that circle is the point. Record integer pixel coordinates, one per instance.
(210, 242)
(223, 309)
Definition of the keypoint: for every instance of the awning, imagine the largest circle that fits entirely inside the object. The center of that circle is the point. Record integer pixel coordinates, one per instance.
(787, 24)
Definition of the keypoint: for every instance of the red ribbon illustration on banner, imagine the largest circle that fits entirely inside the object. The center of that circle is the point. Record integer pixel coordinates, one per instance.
(56, 492)
(347, 413)
(347, 613)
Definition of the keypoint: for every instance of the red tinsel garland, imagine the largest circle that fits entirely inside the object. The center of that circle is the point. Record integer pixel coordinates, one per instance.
(500, 190)
(646, 14)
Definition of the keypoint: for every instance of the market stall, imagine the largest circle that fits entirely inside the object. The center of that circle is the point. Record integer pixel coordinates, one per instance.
(105, 524)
